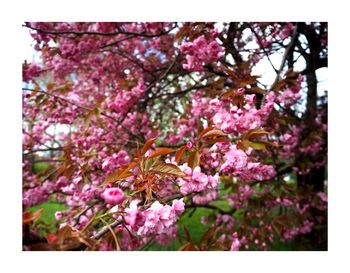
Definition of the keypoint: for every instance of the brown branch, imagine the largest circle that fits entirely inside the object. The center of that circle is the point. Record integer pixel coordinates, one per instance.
(105, 229)
(79, 33)
(263, 48)
(77, 216)
(287, 52)
(43, 150)
(68, 101)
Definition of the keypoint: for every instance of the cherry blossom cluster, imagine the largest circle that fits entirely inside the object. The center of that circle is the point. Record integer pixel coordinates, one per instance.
(197, 181)
(237, 163)
(200, 52)
(104, 98)
(232, 119)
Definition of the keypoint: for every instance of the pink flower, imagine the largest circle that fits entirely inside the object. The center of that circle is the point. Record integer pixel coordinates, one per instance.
(178, 206)
(197, 182)
(235, 245)
(200, 52)
(235, 160)
(113, 196)
(133, 216)
(323, 196)
(58, 215)
(83, 220)
(189, 145)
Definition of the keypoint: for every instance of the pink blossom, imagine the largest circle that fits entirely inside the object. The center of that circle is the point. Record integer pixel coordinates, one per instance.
(235, 245)
(197, 182)
(189, 145)
(113, 196)
(58, 215)
(178, 206)
(200, 52)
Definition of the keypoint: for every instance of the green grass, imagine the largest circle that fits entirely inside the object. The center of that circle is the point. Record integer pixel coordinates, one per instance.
(48, 216)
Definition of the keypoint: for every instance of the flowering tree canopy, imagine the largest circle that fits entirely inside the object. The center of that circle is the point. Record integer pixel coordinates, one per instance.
(135, 126)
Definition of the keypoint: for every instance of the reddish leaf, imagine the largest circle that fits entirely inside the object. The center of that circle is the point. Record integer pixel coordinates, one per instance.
(120, 174)
(168, 169)
(187, 234)
(50, 86)
(207, 238)
(186, 247)
(255, 133)
(193, 159)
(28, 217)
(161, 151)
(209, 128)
(179, 153)
(64, 233)
(230, 73)
(256, 90)
(215, 140)
(147, 145)
(214, 133)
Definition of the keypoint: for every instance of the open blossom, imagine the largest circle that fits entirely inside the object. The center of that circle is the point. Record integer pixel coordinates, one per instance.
(200, 52)
(235, 160)
(133, 216)
(235, 242)
(237, 164)
(93, 103)
(205, 197)
(58, 215)
(158, 218)
(197, 182)
(178, 206)
(113, 196)
(115, 161)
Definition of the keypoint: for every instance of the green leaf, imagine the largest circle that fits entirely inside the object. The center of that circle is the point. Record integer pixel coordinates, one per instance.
(257, 145)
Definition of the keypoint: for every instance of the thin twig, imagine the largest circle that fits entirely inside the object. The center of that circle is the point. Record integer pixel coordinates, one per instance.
(103, 230)
(285, 56)
(263, 48)
(55, 32)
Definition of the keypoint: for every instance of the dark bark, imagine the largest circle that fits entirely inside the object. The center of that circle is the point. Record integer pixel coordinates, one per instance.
(313, 61)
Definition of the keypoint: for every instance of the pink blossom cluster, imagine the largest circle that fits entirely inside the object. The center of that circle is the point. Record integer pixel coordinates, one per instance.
(239, 199)
(31, 71)
(113, 196)
(232, 119)
(291, 233)
(284, 31)
(124, 99)
(290, 141)
(196, 181)
(154, 220)
(313, 148)
(288, 97)
(238, 164)
(205, 197)
(115, 161)
(200, 52)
